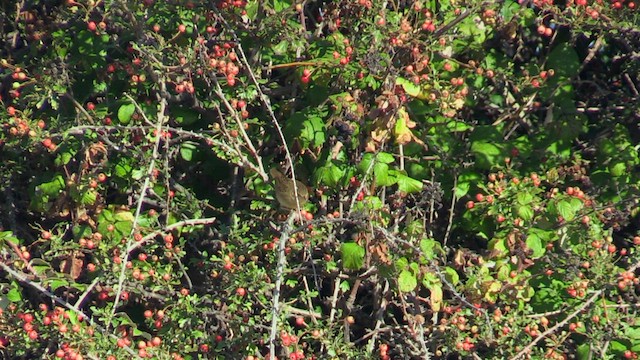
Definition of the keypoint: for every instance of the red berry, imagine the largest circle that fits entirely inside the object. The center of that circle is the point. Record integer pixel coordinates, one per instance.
(182, 28)
(156, 341)
(92, 26)
(470, 204)
(241, 291)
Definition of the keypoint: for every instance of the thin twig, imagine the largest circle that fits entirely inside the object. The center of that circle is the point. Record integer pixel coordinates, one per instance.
(334, 299)
(125, 256)
(275, 302)
(451, 211)
(562, 323)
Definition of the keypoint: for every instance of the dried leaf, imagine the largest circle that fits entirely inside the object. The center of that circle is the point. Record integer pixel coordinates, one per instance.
(380, 251)
(72, 264)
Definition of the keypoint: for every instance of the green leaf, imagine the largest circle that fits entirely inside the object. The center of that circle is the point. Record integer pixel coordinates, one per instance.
(65, 155)
(584, 352)
(123, 168)
(51, 188)
(568, 208)
(617, 169)
(345, 286)
(330, 175)
(487, 154)
(280, 48)
(187, 150)
(465, 181)
(352, 255)
(402, 263)
(534, 242)
(383, 176)
(451, 275)
(618, 346)
(8, 236)
(313, 131)
(428, 248)
(508, 10)
(280, 5)
(122, 221)
(385, 158)
(525, 212)
(564, 60)
(409, 87)
(14, 295)
(471, 29)
(499, 245)
(458, 126)
(125, 112)
(632, 332)
(503, 272)
(137, 174)
(407, 184)
(524, 198)
(407, 281)
(89, 197)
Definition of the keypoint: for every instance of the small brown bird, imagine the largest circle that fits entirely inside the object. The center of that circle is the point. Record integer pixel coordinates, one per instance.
(285, 193)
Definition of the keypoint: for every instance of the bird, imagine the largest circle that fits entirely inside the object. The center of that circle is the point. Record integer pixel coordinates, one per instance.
(285, 193)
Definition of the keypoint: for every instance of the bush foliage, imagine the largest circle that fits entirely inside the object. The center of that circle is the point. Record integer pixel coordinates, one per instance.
(472, 170)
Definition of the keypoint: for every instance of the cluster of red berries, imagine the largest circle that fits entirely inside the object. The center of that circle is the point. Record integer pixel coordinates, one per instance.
(223, 59)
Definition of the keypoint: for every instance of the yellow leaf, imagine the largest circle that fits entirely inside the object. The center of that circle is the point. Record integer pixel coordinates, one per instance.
(436, 297)
(402, 129)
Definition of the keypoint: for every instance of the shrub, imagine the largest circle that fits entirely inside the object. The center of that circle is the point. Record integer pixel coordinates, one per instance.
(473, 172)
